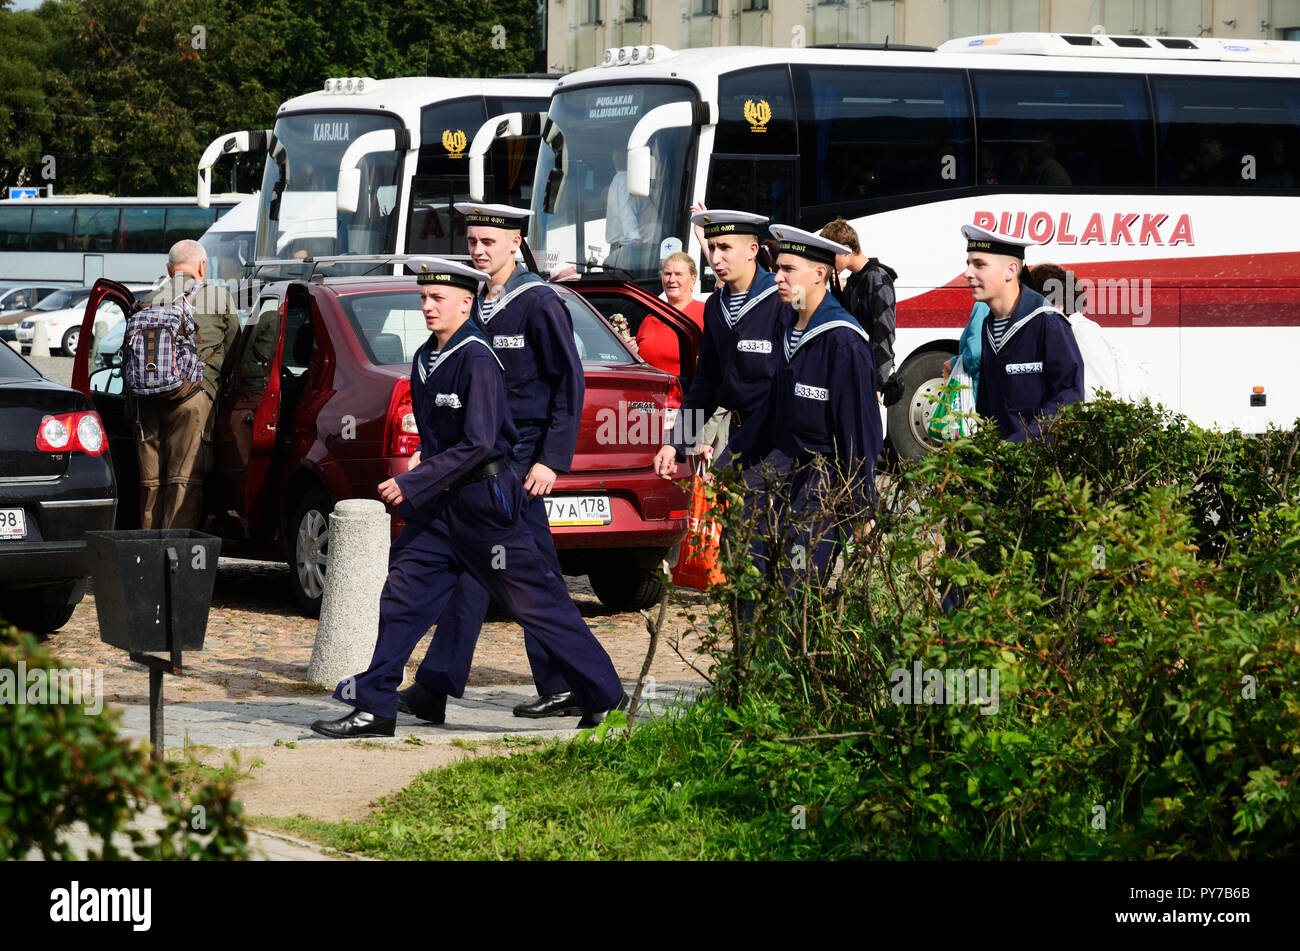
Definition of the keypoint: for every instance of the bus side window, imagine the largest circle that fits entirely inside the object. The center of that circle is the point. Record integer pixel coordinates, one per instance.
(872, 133)
(1206, 139)
(1041, 130)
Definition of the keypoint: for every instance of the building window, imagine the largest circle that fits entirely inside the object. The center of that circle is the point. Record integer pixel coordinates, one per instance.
(757, 4)
(593, 13)
(707, 8)
(636, 10)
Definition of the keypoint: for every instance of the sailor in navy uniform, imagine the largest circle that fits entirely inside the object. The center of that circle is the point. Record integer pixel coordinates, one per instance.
(463, 506)
(1031, 365)
(737, 354)
(531, 332)
(822, 403)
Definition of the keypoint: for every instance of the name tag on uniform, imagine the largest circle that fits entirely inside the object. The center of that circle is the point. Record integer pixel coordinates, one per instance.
(508, 343)
(812, 392)
(447, 399)
(1016, 369)
(754, 346)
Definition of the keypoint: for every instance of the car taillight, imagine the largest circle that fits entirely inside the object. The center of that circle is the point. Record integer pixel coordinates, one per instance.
(672, 403)
(71, 432)
(403, 437)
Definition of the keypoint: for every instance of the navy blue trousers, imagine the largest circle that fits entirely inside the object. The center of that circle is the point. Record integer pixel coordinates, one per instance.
(445, 668)
(474, 530)
(787, 509)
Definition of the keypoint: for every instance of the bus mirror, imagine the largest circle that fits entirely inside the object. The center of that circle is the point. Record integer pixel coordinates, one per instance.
(349, 190)
(230, 143)
(638, 172)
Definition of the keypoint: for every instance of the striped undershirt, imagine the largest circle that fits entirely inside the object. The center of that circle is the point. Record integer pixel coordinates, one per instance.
(485, 307)
(734, 302)
(795, 334)
(1000, 325)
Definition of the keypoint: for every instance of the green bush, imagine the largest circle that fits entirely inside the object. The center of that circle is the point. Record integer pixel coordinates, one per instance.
(60, 764)
(1131, 582)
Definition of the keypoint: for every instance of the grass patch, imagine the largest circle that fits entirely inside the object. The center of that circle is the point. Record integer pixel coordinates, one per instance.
(670, 791)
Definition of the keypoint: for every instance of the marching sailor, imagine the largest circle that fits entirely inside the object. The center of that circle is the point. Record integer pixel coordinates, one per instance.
(531, 332)
(737, 357)
(822, 403)
(463, 506)
(1030, 365)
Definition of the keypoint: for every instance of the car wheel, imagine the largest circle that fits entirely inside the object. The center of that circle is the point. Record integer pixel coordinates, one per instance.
(43, 611)
(308, 537)
(910, 416)
(70, 340)
(621, 585)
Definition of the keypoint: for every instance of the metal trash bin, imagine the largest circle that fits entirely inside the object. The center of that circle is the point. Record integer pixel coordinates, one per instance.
(153, 591)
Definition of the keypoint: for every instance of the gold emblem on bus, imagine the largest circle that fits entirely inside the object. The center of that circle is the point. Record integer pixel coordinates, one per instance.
(757, 114)
(454, 142)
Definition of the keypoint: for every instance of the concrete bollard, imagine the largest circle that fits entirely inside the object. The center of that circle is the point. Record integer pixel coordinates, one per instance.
(40, 341)
(349, 614)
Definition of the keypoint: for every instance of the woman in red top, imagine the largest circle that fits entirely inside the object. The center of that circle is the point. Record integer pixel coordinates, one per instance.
(656, 342)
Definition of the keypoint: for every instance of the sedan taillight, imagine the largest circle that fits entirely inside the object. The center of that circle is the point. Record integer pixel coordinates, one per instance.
(71, 432)
(402, 437)
(672, 403)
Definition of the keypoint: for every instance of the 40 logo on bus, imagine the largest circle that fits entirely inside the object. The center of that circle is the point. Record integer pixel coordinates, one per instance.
(1044, 227)
(758, 114)
(454, 141)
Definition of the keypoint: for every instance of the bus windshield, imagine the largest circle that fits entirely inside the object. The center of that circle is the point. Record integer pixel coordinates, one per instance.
(585, 214)
(299, 195)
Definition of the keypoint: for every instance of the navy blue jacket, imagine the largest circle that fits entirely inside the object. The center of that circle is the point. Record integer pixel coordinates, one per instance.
(1036, 371)
(736, 361)
(532, 333)
(459, 401)
(823, 400)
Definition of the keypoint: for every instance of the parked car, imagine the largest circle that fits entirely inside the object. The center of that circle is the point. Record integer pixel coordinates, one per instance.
(56, 483)
(16, 298)
(56, 299)
(316, 407)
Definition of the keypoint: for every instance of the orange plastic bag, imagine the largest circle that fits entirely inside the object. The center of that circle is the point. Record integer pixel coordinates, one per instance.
(697, 567)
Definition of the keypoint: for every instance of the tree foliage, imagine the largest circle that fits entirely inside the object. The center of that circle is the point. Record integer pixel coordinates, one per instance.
(125, 94)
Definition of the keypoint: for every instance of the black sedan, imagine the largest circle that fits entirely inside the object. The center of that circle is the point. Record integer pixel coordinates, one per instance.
(56, 483)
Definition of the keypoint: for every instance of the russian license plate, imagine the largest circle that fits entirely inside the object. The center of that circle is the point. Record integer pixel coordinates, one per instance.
(578, 509)
(13, 523)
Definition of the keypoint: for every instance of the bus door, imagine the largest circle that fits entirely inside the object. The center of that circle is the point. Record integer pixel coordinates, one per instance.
(92, 268)
(434, 226)
(757, 184)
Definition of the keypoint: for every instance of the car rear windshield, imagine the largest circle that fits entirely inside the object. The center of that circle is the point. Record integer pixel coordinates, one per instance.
(391, 327)
(62, 300)
(14, 367)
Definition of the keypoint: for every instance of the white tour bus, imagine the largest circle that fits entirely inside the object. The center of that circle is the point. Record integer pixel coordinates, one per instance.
(80, 239)
(398, 148)
(1162, 171)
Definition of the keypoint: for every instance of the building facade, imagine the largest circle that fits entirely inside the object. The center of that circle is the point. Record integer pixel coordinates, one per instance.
(578, 31)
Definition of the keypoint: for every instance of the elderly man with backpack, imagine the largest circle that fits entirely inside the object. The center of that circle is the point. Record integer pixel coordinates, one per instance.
(173, 351)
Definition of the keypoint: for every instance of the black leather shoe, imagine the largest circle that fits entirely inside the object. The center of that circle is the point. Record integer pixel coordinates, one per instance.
(419, 701)
(357, 723)
(592, 718)
(551, 705)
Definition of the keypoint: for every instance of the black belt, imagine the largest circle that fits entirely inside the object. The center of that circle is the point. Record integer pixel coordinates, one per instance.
(479, 474)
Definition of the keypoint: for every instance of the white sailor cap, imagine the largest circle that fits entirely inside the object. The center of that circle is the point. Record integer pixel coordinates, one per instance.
(494, 216)
(814, 247)
(438, 271)
(725, 221)
(981, 239)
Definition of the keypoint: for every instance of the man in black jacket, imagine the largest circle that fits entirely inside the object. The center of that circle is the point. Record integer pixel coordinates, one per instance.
(869, 297)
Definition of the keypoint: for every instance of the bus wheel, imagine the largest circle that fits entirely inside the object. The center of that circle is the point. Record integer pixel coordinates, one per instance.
(910, 416)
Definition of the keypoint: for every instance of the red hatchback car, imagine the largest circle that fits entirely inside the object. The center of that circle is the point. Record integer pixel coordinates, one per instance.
(315, 407)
